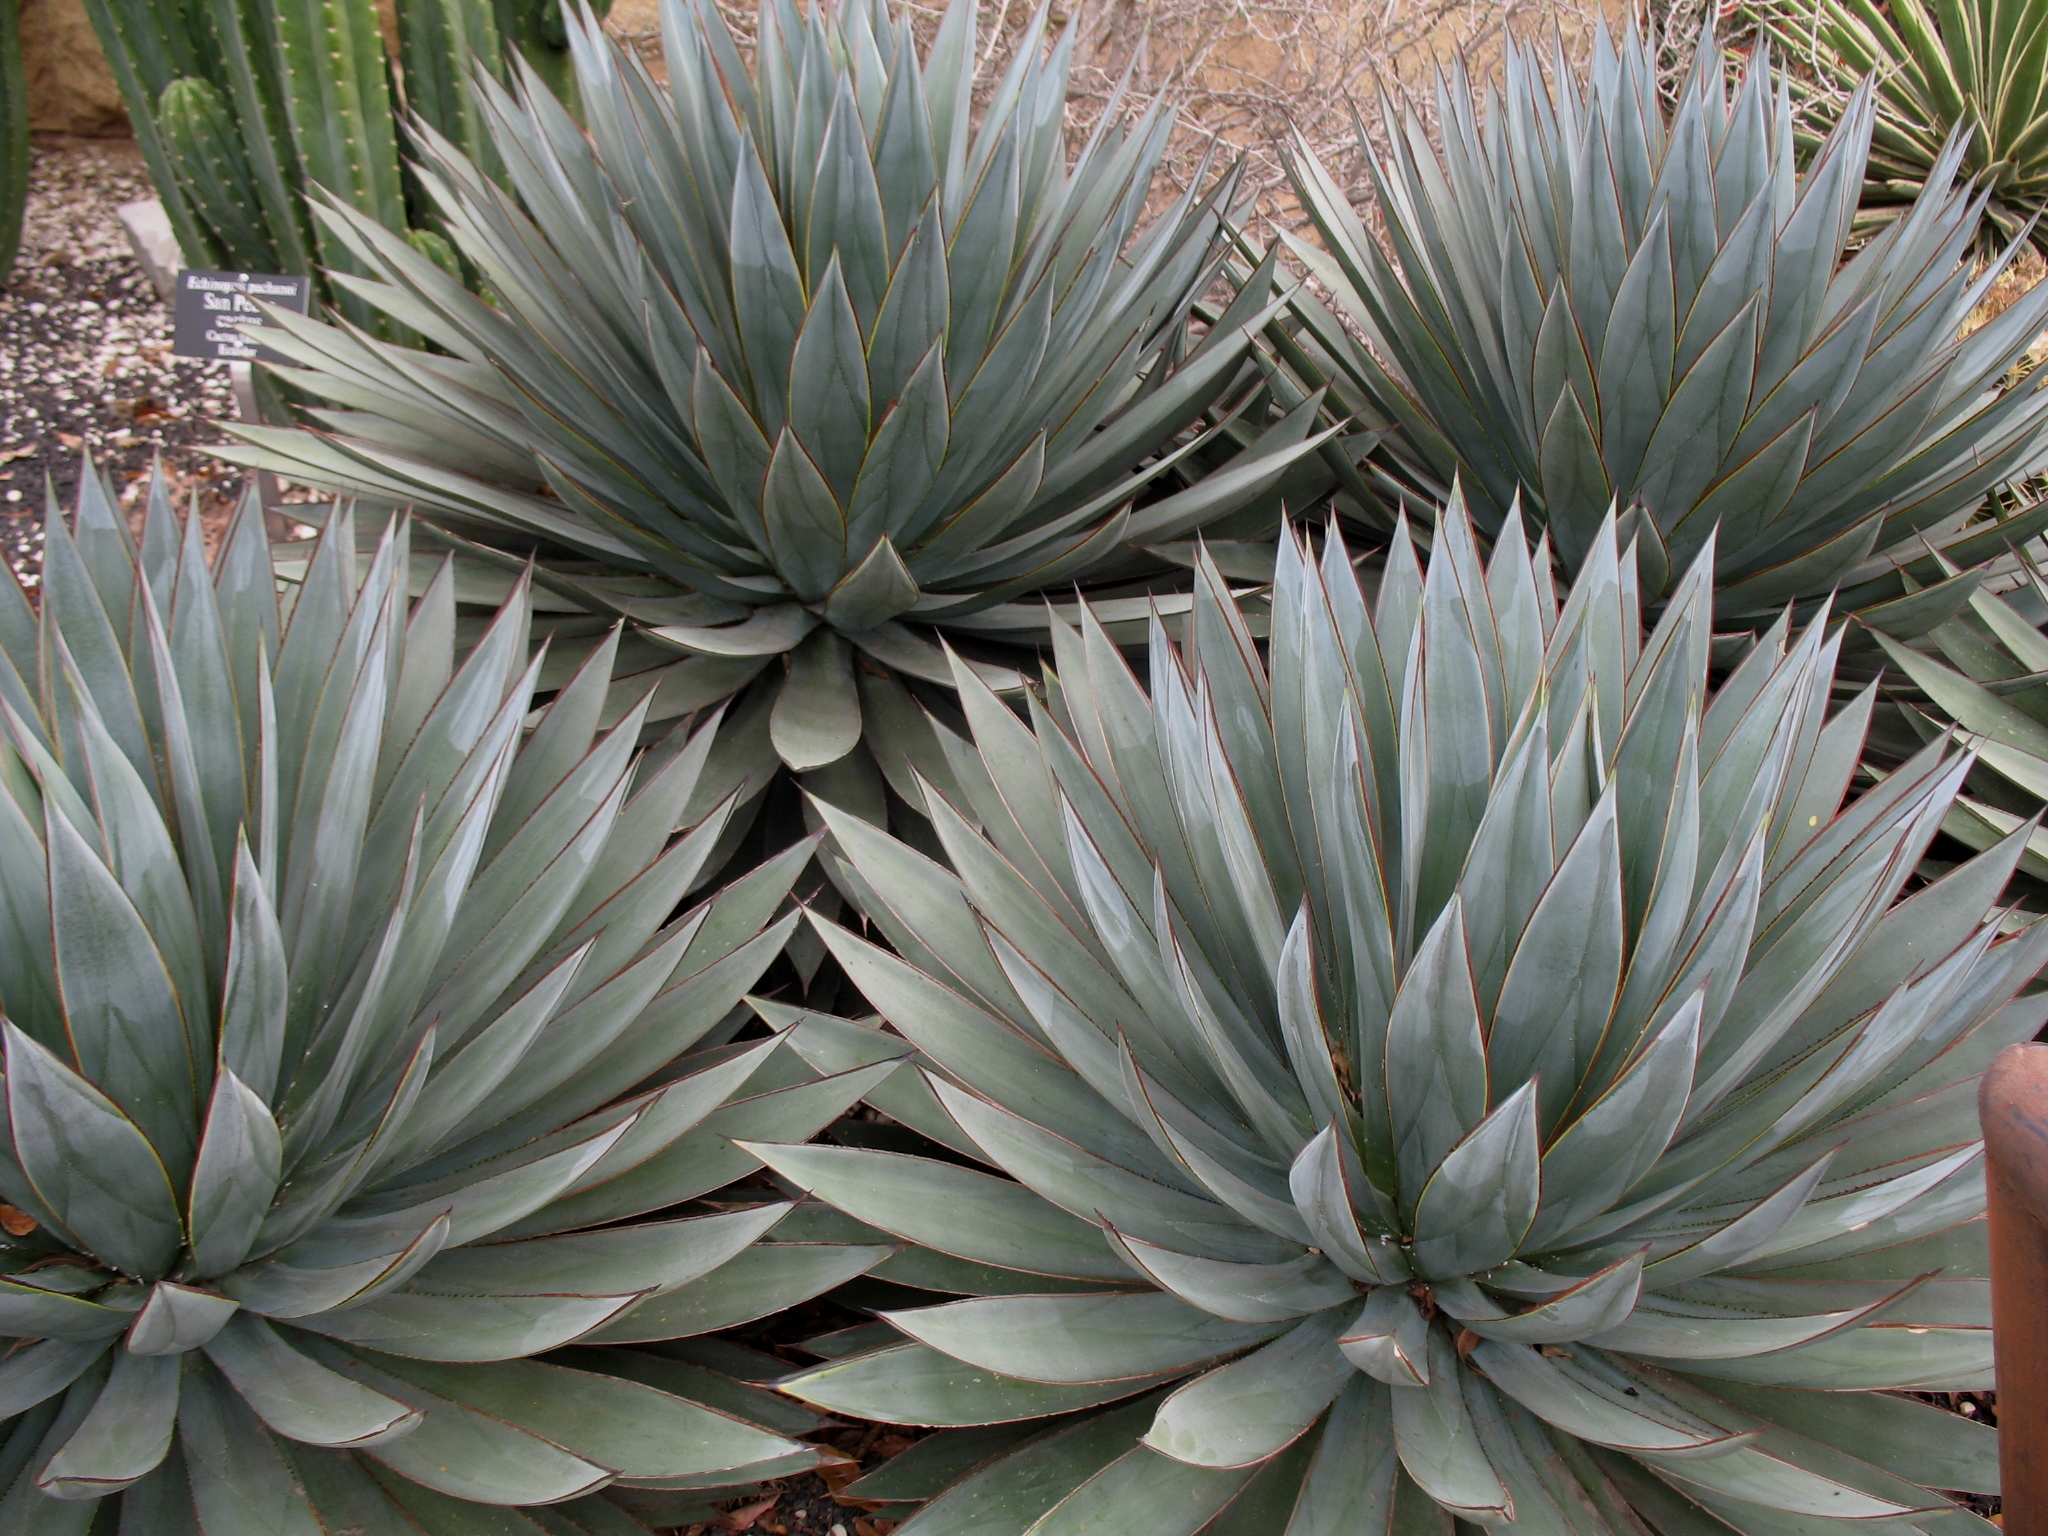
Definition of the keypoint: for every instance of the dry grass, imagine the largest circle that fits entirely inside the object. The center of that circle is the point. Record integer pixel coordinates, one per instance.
(1242, 74)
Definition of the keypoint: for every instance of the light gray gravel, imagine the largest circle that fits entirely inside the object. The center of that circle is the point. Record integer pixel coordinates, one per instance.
(85, 353)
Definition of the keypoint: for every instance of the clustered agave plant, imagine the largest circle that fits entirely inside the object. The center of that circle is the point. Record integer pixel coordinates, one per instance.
(1974, 67)
(810, 360)
(1462, 1066)
(349, 1026)
(1584, 305)
(1426, 1057)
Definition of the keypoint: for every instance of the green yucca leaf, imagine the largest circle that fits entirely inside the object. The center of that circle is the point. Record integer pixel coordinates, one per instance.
(353, 1044)
(791, 365)
(1973, 71)
(1586, 304)
(1506, 1079)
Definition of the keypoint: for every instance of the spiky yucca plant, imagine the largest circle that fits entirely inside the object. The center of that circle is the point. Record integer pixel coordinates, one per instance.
(1974, 66)
(1585, 303)
(1463, 1068)
(348, 1023)
(810, 359)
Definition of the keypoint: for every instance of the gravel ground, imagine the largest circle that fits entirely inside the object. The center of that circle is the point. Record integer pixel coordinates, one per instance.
(85, 353)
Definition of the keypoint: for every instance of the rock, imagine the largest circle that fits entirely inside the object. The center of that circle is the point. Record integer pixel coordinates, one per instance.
(70, 87)
(156, 248)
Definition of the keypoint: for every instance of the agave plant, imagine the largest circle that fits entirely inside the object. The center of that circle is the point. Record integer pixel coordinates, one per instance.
(1585, 305)
(1984, 671)
(1973, 67)
(348, 1026)
(809, 360)
(1461, 1068)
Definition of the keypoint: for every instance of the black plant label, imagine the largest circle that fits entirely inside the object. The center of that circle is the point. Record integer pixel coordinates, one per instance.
(215, 314)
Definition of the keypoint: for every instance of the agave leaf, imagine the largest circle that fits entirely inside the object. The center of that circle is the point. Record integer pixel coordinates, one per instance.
(873, 592)
(1389, 1340)
(237, 1478)
(458, 1451)
(176, 1318)
(828, 376)
(41, 1371)
(955, 1210)
(654, 1256)
(1585, 1309)
(1132, 1487)
(1439, 1447)
(125, 1435)
(36, 1313)
(1436, 1061)
(140, 852)
(130, 1032)
(1883, 1429)
(1588, 1168)
(1943, 1359)
(1080, 1340)
(235, 1178)
(1341, 1484)
(1078, 1182)
(1560, 988)
(1565, 1392)
(1045, 1467)
(89, 1160)
(300, 1399)
(1821, 1219)
(1250, 1293)
(1479, 1203)
(1655, 1333)
(274, 1288)
(764, 1279)
(467, 1328)
(1749, 1474)
(636, 1430)
(914, 1384)
(817, 714)
(252, 1015)
(1327, 1187)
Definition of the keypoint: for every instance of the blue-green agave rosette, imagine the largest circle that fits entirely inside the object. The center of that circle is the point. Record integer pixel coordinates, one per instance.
(359, 1021)
(1454, 1065)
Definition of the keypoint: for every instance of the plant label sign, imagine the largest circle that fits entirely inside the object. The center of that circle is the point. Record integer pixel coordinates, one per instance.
(215, 313)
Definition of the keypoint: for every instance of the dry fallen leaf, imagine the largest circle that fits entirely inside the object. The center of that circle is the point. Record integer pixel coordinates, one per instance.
(16, 1223)
(835, 1469)
(744, 1518)
(19, 451)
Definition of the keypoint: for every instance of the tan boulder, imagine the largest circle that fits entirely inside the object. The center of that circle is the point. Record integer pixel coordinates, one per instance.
(70, 87)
